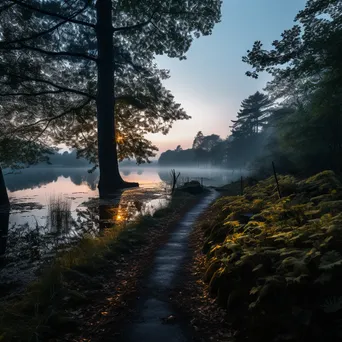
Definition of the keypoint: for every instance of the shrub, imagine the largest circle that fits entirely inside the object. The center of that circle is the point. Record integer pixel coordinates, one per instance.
(277, 269)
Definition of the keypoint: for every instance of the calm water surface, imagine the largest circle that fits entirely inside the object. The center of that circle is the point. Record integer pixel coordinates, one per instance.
(31, 190)
(28, 237)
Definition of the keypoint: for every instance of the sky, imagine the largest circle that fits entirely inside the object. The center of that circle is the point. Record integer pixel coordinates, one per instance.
(211, 83)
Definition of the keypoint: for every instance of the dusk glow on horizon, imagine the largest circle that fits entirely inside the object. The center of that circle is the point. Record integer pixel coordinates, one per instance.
(211, 83)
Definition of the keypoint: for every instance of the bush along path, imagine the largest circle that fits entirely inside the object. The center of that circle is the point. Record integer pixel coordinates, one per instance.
(90, 290)
(267, 268)
(156, 319)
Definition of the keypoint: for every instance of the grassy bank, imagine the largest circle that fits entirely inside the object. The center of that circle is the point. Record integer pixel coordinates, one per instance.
(80, 288)
(274, 264)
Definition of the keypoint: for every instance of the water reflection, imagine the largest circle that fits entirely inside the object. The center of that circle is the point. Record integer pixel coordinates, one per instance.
(126, 172)
(25, 248)
(38, 224)
(38, 177)
(30, 190)
(33, 178)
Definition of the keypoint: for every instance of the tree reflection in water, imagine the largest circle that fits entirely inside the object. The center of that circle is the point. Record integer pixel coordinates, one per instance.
(25, 249)
(125, 207)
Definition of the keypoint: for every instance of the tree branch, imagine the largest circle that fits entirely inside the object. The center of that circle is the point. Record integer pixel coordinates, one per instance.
(49, 120)
(43, 33)
(136, 26)
(56, 15)
(33, 94)
(50, 53)
(132, 27)
(57, 86)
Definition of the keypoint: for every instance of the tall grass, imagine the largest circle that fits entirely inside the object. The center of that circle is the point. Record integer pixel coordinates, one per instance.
(59, 214)
(43, 307)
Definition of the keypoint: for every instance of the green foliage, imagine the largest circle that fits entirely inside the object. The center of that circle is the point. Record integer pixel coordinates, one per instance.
(17, 153)
(252, 116)
(206, 150)
(275, 264)
(304, 131)
(49, 66)
(246, 139)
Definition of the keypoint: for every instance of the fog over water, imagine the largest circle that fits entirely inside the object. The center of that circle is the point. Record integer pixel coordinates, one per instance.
(52, 208)
(30, 189)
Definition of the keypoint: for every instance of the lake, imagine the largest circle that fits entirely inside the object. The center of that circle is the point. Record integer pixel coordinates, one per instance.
(28, 234)
(31, 190)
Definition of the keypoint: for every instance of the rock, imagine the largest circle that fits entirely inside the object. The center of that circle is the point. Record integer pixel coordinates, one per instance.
(192, 187)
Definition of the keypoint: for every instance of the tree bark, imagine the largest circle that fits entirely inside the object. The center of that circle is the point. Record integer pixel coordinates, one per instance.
(4, 201)
(4, 214)
(110, 178)
(4, 220)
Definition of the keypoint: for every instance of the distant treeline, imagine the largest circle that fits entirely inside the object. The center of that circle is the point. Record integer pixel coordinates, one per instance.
(206, 151)
(289, 134)
(70, 159)
(297, 121)
(65, 159)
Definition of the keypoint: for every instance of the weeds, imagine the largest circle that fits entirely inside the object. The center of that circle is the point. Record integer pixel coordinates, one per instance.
(59, 214)
(43, 310)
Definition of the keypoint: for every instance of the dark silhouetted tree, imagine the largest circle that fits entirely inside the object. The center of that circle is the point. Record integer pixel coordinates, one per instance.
(306, 67)
(68, 67)
(247, 131)
(177, 158)
(198, 140)
(209, 142)
(252, 115)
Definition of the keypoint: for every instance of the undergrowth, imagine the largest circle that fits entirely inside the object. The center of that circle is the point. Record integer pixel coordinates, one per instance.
(275, 264)
(65, 284)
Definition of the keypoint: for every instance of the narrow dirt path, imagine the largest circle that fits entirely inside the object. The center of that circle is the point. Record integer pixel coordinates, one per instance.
(156, 320)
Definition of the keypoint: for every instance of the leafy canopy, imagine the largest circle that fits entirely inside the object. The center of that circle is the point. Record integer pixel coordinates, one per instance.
(48, 69)
(307, 78)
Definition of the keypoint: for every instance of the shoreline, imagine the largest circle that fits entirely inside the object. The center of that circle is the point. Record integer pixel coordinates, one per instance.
(92, 280)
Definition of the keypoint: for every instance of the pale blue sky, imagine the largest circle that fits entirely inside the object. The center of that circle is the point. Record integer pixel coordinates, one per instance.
(211, 83)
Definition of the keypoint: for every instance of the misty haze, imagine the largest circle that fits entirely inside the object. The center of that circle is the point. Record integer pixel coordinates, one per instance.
(170, 170)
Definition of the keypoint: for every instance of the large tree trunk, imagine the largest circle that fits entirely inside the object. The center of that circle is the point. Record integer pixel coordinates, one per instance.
(110, 178)
(4, 220)
(4, 201)
(4, 214)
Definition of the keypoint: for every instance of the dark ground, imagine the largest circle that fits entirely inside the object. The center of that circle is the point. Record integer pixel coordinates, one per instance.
(137, 301)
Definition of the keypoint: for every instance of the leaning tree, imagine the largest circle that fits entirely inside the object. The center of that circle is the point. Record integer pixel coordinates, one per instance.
(73, 71)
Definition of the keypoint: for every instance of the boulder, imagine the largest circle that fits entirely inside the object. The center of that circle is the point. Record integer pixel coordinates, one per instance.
(192, 187)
